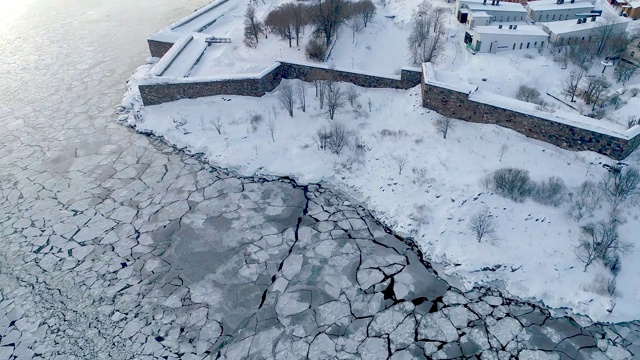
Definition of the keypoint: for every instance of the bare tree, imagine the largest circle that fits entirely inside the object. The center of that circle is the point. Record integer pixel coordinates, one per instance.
(401, 162)
(582, 54)
(335, 98)
(585, 199)
(503, 150)
(427, 38)
(571, 83)
(252, 27)
(444, 125)
(600, 241)
(217, 124)
(620, 184)
(334, 138)
(327, 16)
(271, 128)
(605, 33)
(321, 91)
(624, 72)
(301, 91)
(280, 22)
(367, 10)
(285, 96)
(595, 86)
(482, 224)
(356, 25)
(352, 95)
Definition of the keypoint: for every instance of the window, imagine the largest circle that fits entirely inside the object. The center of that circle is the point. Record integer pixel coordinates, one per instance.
(514, 47)
(540, 17)
(547, 17)
(542, 44)
(507, 18)
(535, 44)
(554, 17)
(520, 45)
(500, 18)
(583, 38)
(528, 45)
(633, 53)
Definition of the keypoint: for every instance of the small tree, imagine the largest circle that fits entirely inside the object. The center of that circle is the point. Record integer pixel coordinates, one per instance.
(427, 37)
(352, 95)
(482, 224)
(301, 91)
(334, 138)
(444, 125)
(217, 124)
(401, 162)
(285, 96)
(503, 150)
(321, 91)
(356, 25)
(335, 98)
(252, 27)
(571, 83)
(280, 22)
(271, 129)
(528, 94)
(595, 87)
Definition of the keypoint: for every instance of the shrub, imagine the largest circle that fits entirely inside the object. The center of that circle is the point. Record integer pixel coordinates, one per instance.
(334, 138)
(316, 50)
(512, 183)
(255, 120)
(584, 200)
(528, 94)
(551, 192)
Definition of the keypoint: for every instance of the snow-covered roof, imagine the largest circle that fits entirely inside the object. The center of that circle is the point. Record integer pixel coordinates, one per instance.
(542, 6)
(634, 4)
(568, 26)
(520, 30)
(479, 14)
(503, 7)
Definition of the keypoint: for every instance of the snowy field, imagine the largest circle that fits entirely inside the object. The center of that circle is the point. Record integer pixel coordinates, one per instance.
(439, 187)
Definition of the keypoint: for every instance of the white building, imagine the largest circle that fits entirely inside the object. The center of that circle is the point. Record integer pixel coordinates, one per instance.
(478, 18)
(498, 11)
(496, 38)
(585, 29)
(553, 10)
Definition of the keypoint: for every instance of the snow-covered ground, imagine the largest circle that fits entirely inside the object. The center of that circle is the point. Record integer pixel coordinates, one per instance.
(440, 186)
(436, 193)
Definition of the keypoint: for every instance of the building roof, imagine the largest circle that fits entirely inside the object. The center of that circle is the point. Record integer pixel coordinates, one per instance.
(530, 30)
(544, 5)
(568, 26)
(478, 5)
(634, 4)
(479, 14)
(506, 7)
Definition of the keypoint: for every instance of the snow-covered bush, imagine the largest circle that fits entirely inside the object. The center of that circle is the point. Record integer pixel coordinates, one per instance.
(551, 192)
(511, 183)
(529, 94)
(315, 50)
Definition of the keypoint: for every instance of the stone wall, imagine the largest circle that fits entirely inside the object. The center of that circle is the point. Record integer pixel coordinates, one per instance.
(158, 48)
(154, 94)
(306, 72)
(157, 92)
(456, 104)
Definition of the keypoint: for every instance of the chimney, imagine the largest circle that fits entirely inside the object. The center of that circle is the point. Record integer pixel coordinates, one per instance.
(497, 2)
(573, 1)
(515, 27)
(510, 27)
(484, 2)
(493, 2)
(499, 26)
(579, 21)
(593, 18)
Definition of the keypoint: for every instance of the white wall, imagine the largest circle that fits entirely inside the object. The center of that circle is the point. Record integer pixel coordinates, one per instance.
(588, 33)
(504, 42)
(558, 14)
